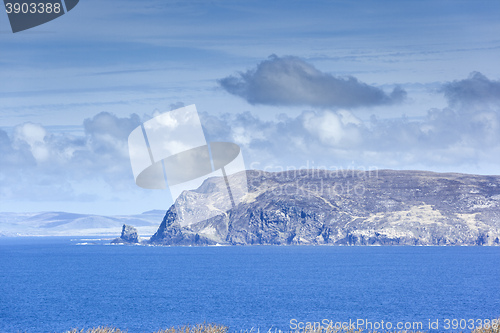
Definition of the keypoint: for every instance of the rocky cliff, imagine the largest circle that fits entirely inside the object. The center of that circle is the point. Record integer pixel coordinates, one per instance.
(346, 207)
(129, 236)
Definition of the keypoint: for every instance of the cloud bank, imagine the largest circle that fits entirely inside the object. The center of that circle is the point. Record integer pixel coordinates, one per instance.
(36, 164)
(292, 81)
(39, 165)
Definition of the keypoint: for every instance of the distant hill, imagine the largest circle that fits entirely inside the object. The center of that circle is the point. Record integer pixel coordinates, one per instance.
(70, 224)
(347, 207)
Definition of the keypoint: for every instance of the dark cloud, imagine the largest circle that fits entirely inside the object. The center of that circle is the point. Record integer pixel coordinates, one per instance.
(292, 81)
(477, 88)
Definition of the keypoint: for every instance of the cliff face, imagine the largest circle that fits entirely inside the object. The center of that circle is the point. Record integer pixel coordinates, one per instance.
(347, 208)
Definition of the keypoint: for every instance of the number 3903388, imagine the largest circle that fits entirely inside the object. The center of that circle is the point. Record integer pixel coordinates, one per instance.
(33, 8)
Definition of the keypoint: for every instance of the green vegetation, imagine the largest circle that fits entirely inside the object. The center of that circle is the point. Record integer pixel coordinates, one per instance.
(214, 328)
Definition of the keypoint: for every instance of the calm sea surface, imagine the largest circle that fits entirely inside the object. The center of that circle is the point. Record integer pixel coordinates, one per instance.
(53, 285)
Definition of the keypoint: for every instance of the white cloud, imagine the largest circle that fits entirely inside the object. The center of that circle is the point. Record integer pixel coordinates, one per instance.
(34, 136)
(38, 165)
(335, 129)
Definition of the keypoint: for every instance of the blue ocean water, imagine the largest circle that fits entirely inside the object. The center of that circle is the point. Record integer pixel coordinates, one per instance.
(53, 285)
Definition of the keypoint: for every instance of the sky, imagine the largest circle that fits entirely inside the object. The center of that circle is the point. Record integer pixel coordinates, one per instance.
(411, 85)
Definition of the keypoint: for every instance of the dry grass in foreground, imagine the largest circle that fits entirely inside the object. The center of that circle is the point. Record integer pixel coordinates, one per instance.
(96, 330)
(488, 330)
(200, 328)
(214, 328)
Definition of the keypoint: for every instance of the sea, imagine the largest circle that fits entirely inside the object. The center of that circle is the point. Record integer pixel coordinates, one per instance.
(56, 284)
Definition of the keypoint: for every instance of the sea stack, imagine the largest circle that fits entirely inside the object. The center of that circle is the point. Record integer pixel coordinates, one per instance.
(129, 236)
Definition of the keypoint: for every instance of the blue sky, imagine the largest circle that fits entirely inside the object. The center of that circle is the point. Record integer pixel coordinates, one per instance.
(262, 74)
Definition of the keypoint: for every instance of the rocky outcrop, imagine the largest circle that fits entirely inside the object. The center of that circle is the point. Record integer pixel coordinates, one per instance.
(349, 207)
(129, 236)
